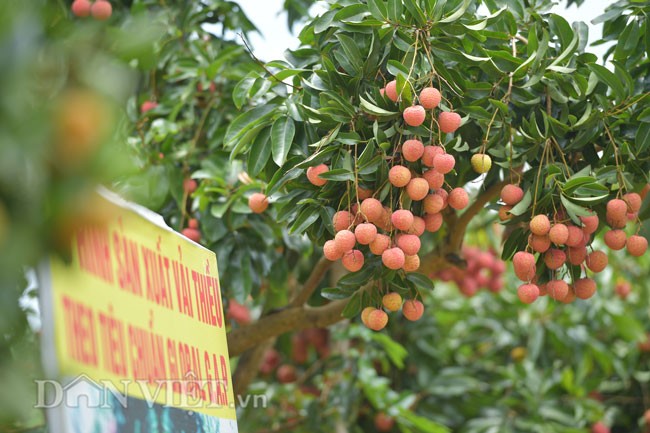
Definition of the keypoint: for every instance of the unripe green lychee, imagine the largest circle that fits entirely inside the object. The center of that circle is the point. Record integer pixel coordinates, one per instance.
(392, 301)
(379, 244)
(615, 239)
(554, 258)
(528, 293)
(402, 219)
(352, 260)
(412, 309)
(637, 245)
(511, 194)
(258, 202)
(584, 288)
(414, 115)
(433, 222)
(372, 209)
(399, 176)
(365, 233)
(430, 97)
(449, 121)
(444, 163)
(391, 91)
(458, 199)
(417, 188)
(393, 258)
(434, 178)
(557, 289)
(481, 163)
(540, 225)
(412, 263)
(345, 240)
(377, 320)
(330, 251)
(412, 150)
(524, 264)
(313, 174)
(596, 261)
(410, 244)
(559, 234)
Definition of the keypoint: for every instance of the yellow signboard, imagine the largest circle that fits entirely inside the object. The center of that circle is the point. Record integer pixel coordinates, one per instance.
(138, 315)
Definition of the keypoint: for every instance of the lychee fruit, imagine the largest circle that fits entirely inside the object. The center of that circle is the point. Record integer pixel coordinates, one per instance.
(644, 192)
(412, 263)
(147, 106)
(258, 202)
(449, 121)
(570, 296)
(313, 174)
(589, 223)
(554, 258)
(596, 261)
(417, 188)
(330, 251)
(616, 210)
(384, 223)
(399, 176)
(402, 219)
(365, 233)
(528, 293)
(576, 236)
(434, 178)
(444, 194)
(444, 163)
(414, 115)
(377, 320)
(412, 309)
(342, 220)
(576, 255)
(365, 313)
(383, 422)
(101, 10)
(557, 289)
(392, 301)
(511, 194)
(410, 244)
(458, 199)
(430, 153)
(524, 264)
(286, 373)
(637, 245)
(430, 97)
(379, 244)
(372, 209)
(190, 185)
(433, 222)
(391, 91)
(623, 289)
(559, 234)
(193, 223)
(504, 213)
(81, 8)
(540, 225)
(192, 234)
(615, 239)
(352, 260)
(584, 288)
(393, 258)
(363, 193)
(433, 203)
(412, 150)
(600, 427)
(539, 244)
(633, 201)
(418, 226)
(481, 163)
(345, 240)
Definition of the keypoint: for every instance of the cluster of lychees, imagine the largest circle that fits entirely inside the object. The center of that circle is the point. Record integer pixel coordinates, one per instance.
(377, 319)
(561, 243)
(100, 10)
(484, 269)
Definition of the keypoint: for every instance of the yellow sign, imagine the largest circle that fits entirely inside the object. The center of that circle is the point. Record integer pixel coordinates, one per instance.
(139, 311)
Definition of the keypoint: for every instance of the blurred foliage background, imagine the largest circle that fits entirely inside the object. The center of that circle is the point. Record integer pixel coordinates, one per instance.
(71, 117)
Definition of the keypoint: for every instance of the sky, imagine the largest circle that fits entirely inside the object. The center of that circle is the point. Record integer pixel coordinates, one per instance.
(276, 38)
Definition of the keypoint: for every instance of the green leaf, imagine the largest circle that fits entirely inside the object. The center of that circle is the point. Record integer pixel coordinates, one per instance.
(353, 307)
(609, 78)
(371, 108)
(245, 121)
(259, 154)
(574, 211)
(421, 281)
(523, 206)
(338, 175)
(306, 218)
(377, 9)
(642, 139)
(335, 293)
(282, 133)
(458, 13)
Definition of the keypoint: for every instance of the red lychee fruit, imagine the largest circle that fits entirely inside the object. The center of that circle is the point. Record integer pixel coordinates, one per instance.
(365, 313)
(637, 245)
(258, 202)
(539, 244)
(399, 176)
(393, 258)
(270, 361)
(617, 223)
(412, 150)
(147, 106)
(434, 178)
(412, 309)
(352, 260)
(414, 115)
(576, 255)
(433, 222)
(313, 174)
(449, 121)
(190, 185)
(444, 163)
(458, 199)
(557, 289)
(402, 219)
(385, 223)
(623, 289)
(193, 223)
(330, 251)
(81, 8)
(363, 193)
(504, 213)
(417, 188)
(410, 244)
(616, 210)
(590, 223)
(101, 10)
(524, 264)
(528, 293)
(382, 91)
(192, 234)
(542, 289)
(554, 258)
(596, 261)
(633, 201)
(372, 209)
(391, 90)
(430, 97)
(511, 194)
(444, 194)
(433, 203)
(430, 153)
(600, 427)
(412, 263)
(392, 301)
(570, 296)
(418, 226)
(644, 192)
(615, 239)
(345, 240)
(365, 233)
(286, 373)
(559, 234)
(379, 244)
(383, 422)
(575, 237)
(540, 225)
(584, 288)
(342, 220)
(377, 320)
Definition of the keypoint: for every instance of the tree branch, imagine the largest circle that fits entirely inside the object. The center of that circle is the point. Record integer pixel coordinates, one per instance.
(248, 366)
(317, 274)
